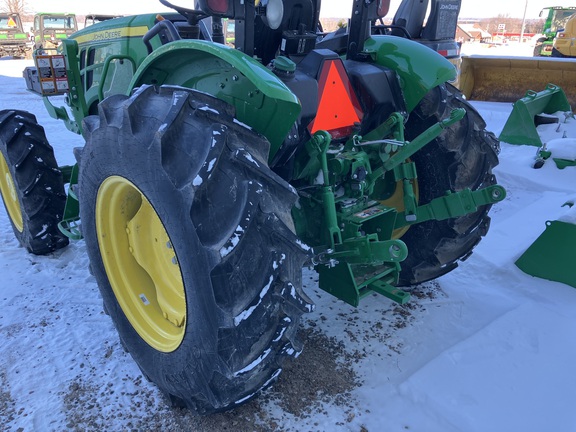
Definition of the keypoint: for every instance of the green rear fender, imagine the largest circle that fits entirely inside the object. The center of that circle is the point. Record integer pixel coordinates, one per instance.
(420, 69)
(261, 99)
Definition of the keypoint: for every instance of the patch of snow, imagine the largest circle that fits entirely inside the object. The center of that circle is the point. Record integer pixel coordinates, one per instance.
(209, 109)
(248, 157)
(276, 264)
(562, 148)
(211, 165)
(255, 363)
(570, 215)
(303, 245)
(277, 338)
(232, 241)
(176, 98)
(244, 125)
(246, 313)
(267, 383)
(43, 231)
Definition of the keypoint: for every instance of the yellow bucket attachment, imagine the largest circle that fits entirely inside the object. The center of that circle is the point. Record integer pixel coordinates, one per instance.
(520, 128)
(506, 79)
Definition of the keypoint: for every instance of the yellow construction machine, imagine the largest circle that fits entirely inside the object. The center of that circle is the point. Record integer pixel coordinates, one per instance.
(565, 41)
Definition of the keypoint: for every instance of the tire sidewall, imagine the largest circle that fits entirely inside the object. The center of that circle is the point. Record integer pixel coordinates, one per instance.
(42, 203)
(136, 164)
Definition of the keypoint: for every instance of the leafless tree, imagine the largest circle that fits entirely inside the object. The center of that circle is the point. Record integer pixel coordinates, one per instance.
(14, 6)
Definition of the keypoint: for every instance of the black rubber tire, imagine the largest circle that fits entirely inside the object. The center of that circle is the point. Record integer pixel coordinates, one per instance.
(557, 54)
(461, 157)
(37, 181)
(232, 233)
(537, 49)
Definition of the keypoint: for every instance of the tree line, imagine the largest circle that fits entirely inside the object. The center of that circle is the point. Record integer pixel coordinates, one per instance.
(511, 25)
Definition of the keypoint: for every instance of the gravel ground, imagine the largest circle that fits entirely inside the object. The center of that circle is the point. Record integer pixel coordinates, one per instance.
(322, 374)
(322, 378)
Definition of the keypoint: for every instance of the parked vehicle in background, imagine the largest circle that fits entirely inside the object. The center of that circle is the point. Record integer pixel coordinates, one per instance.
(13, 38)
(92, 19)
(564, 44)
(557, 18)
(51, 28)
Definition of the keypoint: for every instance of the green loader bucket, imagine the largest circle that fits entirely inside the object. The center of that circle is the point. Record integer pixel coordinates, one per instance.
(520, 127)
(553, 255)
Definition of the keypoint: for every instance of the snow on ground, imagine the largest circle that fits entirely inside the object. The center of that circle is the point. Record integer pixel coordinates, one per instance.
(484, 348)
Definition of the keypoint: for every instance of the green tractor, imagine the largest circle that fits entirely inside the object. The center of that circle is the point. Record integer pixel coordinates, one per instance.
(556, 20)
(51, 28)
(212, 174)
(13, 39)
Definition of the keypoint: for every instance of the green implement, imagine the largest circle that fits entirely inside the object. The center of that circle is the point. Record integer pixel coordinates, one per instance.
(520, 128)
(553, 254)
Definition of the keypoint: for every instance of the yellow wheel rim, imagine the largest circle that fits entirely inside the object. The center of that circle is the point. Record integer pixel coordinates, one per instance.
(10, 196)
(396, 200)
(141, 264)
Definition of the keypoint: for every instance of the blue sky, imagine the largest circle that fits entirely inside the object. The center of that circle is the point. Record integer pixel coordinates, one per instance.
(330, 8)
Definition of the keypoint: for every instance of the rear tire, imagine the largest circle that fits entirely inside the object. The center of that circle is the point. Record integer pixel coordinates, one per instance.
(538, 49)
(461, 157)
(32, 186)
(226, 217)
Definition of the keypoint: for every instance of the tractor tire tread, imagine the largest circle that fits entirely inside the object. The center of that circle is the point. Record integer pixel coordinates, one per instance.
(467, 153)
(240, 212)
(37, 179)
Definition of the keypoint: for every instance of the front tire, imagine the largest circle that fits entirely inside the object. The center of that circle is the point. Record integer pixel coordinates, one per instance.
(461, 157)
(191, 241)
(31, 184)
